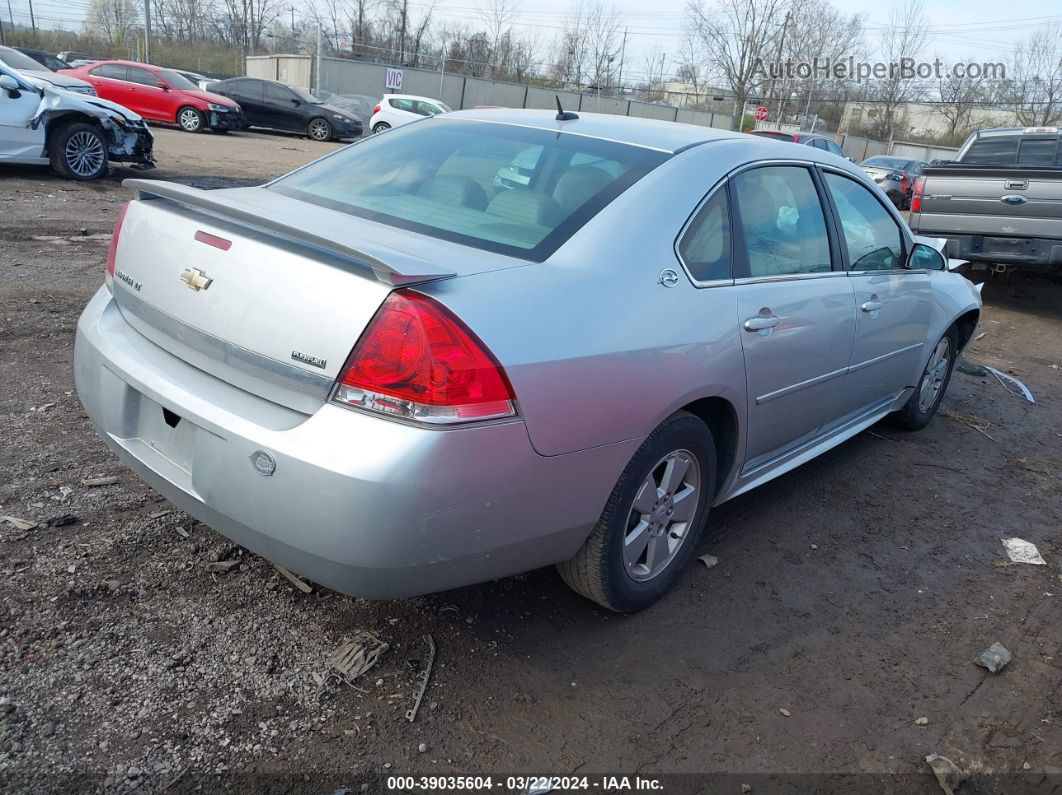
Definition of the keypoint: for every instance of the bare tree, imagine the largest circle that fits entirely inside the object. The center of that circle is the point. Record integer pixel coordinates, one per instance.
(959, 95)
(735, 36)
(903, 40)
(1034, 85)
(114, 20)
(499, 16)
(588, 51)
(655, 67)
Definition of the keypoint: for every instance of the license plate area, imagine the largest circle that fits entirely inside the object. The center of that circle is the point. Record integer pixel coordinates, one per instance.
(167, 433)
(1006, 245)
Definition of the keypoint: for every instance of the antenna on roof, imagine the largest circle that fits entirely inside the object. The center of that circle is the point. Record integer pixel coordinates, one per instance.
(563, 115)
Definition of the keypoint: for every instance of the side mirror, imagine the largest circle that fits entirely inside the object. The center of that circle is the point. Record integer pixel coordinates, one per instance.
(296, 102)
(163, 86)
(927, 258)
(11, 86)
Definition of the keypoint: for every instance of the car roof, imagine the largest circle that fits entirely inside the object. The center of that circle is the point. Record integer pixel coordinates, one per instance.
(665, 136)
(120, 62)
(410, 96)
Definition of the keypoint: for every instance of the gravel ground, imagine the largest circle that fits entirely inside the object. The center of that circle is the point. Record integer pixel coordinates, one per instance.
(849, 602)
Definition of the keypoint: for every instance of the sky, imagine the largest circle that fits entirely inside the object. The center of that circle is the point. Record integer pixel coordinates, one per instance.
(960, 29)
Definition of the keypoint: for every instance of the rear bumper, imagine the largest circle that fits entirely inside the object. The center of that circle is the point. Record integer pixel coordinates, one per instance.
(1027, 252)
(364, 505)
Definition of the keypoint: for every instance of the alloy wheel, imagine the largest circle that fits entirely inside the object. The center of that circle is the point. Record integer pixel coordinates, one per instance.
(84, 153)
(319, 130)
(662, 515)
(934, 375)
(190, 120)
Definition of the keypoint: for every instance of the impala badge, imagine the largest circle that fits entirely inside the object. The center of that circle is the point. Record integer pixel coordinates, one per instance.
(196, 279)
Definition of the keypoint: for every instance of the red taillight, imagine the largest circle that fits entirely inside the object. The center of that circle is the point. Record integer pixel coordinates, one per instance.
(796, 138)
(916, 197)
(418, 361)
(108, 277)
(377, 108)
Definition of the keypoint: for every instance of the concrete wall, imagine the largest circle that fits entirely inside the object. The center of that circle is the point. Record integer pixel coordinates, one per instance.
(920, 152)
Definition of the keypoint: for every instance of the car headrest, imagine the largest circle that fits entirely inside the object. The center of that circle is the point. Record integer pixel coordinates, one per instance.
(454, 190)
(526, 207)
(578, 185)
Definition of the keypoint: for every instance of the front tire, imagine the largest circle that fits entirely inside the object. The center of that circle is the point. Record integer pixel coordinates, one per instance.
(79, 152)
(319, 129)
(190, 120)
(652, 521)
(925, 400)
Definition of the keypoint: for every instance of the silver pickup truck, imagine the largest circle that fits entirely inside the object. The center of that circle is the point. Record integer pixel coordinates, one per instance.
(999, 202)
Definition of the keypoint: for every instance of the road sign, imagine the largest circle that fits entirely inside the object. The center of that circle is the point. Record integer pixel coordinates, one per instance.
(760, 114)
(394, 79)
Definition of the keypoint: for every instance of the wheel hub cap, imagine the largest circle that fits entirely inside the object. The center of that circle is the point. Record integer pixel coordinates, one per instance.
(84, 153)
(933, 377)
(662, 515)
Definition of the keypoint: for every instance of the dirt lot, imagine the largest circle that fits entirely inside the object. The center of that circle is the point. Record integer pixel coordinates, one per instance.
(850, 598)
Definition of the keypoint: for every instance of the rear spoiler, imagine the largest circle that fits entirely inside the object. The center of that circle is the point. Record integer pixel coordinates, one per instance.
(226, 208)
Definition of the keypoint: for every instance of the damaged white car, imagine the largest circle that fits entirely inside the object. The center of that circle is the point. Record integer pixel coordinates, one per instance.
(77, 135)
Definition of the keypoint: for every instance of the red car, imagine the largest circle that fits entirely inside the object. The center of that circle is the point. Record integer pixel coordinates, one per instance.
(160, 94)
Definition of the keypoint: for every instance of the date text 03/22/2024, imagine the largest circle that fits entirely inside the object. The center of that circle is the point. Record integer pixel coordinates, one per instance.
(528, 785)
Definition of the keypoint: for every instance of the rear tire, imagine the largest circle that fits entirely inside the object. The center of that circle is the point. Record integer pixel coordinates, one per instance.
(381, 127)
(319, 129)
(79, 152)
(925, 400)
(190, 120)
(675, 463)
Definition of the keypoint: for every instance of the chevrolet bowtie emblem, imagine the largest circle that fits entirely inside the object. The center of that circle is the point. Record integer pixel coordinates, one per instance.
(196, 279)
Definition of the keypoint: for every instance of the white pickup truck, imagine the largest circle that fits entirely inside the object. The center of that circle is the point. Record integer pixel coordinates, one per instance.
(999, 202)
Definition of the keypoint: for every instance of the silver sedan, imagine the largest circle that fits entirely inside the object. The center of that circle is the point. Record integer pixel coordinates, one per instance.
(496, 340)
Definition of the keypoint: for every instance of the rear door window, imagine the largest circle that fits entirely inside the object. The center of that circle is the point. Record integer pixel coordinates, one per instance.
(112, 71)
(515, 190)
(994, 151)
(782, 222)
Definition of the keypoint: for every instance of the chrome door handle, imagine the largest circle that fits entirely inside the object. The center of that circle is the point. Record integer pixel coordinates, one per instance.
(872, 306)
(761, 322)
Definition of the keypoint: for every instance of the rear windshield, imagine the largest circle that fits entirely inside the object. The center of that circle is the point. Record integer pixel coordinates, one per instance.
(781, 136)
(1010, 150)
(887, 162)
(515, 190)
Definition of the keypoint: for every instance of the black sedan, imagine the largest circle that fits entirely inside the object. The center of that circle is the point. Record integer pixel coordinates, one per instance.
(895, 176)
(267, 103)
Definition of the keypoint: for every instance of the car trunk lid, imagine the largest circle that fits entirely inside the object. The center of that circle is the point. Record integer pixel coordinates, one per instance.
(265, 292)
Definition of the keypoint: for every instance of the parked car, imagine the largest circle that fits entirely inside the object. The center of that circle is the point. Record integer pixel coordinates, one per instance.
(160, 94)
(438, 379)
(396, 109)
(48, 61)
(75, 134)
(72, 57)
(999, 202)
(895, 176)
(276, 106)
(38, 74)
(200, 81)
(823, 142)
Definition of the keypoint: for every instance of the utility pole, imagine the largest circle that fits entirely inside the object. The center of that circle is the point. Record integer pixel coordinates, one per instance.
(147, 31)
(623, 52)
(317, 69)
(402, 36)
(33, 19)
(778, 58)
(2, 42)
